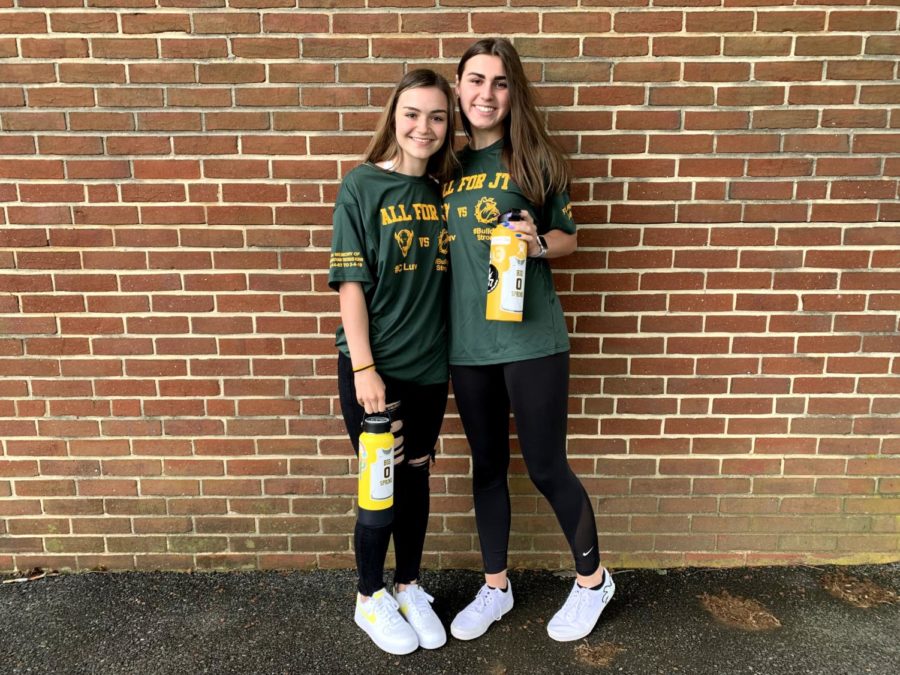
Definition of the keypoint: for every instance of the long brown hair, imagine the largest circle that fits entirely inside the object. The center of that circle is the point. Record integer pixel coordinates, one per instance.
(383, 145)
(535, 162)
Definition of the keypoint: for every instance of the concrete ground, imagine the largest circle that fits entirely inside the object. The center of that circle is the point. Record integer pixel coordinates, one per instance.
(301, 622)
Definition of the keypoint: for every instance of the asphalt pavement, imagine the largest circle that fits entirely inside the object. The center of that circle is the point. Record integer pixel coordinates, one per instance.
(771, 620)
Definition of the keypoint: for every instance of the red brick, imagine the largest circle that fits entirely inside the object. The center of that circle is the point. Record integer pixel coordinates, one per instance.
(123, 48)
(193, 48)
(828, 45)
(856, 20)
(157, 22)
(81, 22)
(409, 48)
(56, 48)
(341, 48)
(604, 47)
(648, 22)
(686, 46)
(646, 72)
(226, 23)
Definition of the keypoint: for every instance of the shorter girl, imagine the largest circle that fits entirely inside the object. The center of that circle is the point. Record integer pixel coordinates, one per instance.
(389, 263)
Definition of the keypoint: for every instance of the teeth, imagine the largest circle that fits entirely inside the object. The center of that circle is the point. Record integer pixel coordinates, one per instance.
(484, 109)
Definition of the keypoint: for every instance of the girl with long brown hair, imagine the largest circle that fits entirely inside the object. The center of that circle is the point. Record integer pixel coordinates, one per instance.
(389, 264)
(511, 166)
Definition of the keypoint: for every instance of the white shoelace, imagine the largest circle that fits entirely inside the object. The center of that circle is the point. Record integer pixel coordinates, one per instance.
(418, 600)
(383, 610)
(579, 594)
(485, 599)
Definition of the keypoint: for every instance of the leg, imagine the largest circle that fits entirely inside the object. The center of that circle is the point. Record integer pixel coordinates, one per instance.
(538, 390)
(421, 415)
(418, 420)
(370, 544)
(484, 408)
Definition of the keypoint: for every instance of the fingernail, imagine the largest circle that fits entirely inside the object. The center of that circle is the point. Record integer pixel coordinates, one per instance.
(518, 236)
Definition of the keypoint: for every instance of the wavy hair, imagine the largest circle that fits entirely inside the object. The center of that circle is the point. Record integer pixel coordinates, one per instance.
(534, 159)
(384, 146)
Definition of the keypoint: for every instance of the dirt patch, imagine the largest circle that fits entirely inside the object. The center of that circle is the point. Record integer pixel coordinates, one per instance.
(32, 574)
(598, 656)
(739, 612)
(858, 592)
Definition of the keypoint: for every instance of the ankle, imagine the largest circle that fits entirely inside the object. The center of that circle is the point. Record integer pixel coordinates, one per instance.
(498, 580)
(593, 580)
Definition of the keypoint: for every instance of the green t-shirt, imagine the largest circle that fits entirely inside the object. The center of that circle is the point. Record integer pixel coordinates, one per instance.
(472, 201)
(390, 235)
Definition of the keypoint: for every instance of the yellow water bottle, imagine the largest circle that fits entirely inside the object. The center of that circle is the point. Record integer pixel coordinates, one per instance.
(506, 273)
(376, 472)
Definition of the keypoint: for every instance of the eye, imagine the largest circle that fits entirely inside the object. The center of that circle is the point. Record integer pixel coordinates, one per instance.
(502, 85)
(438, 118)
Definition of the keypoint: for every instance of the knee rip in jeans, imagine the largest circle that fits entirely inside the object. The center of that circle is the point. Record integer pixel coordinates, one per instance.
(423, 463)
(420, 463)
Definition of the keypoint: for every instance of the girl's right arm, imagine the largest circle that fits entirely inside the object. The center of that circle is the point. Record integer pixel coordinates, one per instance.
(370, 391)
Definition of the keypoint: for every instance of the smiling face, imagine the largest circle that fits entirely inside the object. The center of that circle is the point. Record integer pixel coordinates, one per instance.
(483, 92)
(420, 121)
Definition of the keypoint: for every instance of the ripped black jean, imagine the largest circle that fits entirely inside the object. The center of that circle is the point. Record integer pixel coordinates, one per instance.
(417, 412)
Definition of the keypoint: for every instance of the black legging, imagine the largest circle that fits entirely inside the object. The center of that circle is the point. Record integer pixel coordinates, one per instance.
(538, 392)
(420, 413)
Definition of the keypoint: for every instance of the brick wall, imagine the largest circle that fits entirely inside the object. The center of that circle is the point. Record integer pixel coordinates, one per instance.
(166, 181)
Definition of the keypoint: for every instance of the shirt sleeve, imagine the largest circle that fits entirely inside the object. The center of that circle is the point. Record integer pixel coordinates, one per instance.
(350, 251)
(557, 214)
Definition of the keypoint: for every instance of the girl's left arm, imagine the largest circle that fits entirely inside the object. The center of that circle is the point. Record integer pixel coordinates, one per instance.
(559, 243)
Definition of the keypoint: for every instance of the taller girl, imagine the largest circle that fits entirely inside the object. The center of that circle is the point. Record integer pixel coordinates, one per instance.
(511, 164)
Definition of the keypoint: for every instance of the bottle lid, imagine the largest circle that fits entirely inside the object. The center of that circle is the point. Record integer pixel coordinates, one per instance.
(376, 424)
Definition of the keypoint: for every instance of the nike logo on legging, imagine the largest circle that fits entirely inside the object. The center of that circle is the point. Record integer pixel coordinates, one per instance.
(586, 552)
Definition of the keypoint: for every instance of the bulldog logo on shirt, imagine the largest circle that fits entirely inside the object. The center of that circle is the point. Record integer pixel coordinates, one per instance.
(404, 240)
(486, 211)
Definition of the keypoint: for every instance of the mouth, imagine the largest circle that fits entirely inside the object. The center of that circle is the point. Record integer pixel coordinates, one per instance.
(484, 109)
(421, 140)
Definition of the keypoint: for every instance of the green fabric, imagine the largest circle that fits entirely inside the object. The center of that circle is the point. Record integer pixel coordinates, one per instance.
(472, 201)
(389, 234)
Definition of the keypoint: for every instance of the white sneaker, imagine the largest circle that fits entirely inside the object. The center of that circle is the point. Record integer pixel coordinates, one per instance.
(382, 622)
(415, 606)
(580, 613)
(488, 606)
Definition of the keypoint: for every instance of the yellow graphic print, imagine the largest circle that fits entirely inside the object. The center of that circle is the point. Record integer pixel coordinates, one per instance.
(486, 211)
(341, 259)
(444, 242)
(404, 240)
